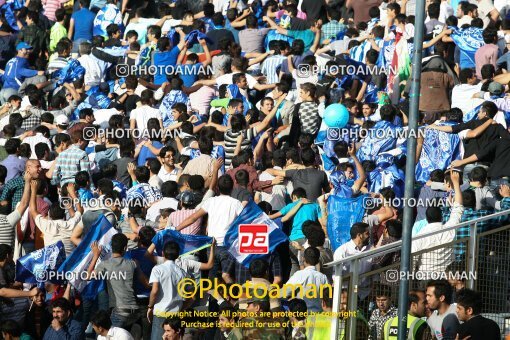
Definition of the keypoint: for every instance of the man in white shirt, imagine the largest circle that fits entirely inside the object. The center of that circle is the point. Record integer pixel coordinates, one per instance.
(168, 171)
(222, 211)
(93, 72)
(360, 237)
(306, 278)
(41, 136)
(164, 299)
(436, 261)
(141, 115)
(102, 325)
(462, 94)
(443, 321)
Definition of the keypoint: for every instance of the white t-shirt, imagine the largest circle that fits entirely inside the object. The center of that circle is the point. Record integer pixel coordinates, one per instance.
(103, 116)
(116, 333)
(462, 97)
(168, 176)
(226, 79)
(34, 140)
(142, 114)
(222, 211)
(168, 275)
(154, 211)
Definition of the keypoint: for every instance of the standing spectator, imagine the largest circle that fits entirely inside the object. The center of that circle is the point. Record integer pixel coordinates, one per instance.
(14, 164)
(121, 274)
(72, 160)
(309, 276)
(474, 325)
(222, 211)
(164, 297)
(488, 53)
(443, 321)
(384, 312)
(81, 25)
(16, 70)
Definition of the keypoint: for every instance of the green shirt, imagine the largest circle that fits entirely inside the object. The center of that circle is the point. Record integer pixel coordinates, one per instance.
(57, 32)
(307, 36)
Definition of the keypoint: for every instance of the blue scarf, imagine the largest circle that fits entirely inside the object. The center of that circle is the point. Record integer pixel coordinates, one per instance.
(373, 144)
(438, 151)
(468, 40)
(340, 186)
(388, 171)
(70, 73)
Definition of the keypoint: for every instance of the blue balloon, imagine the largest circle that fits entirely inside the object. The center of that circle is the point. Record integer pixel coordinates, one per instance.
(336, 116)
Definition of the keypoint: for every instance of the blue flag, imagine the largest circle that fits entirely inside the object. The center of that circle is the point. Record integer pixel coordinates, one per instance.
(468, 40)
(79, 260)
(252, 214)
(187, 243)
(438, 151)
(42, 265)
(69, 73)
(342, 214)
(382, 137)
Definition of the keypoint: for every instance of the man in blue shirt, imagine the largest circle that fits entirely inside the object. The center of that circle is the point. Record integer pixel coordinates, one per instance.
(62, 326)
(16, 70)
(81, 25)
(300, 211)
(166, 56)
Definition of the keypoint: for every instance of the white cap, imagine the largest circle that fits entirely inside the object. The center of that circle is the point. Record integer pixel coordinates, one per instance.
(62, 120)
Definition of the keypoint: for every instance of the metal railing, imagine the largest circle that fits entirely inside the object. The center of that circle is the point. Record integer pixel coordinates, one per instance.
(486, 254)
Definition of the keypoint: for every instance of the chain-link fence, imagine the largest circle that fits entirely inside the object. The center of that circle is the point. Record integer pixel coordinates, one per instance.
(472, 257)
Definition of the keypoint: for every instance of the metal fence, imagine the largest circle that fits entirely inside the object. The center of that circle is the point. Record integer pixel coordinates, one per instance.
(481, 258)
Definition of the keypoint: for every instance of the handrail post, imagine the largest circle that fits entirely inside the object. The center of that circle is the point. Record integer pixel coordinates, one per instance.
(353, 296)
(337, 295)
(473, 239)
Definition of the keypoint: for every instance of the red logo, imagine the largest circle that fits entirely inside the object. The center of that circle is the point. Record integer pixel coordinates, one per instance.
(253, 239)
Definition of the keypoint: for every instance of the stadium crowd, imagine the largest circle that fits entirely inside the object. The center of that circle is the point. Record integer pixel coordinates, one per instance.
(136, 136)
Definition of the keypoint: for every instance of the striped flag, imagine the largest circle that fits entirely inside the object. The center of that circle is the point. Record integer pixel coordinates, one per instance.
(252, 215)
(187, 243)
(400, 66)
(79, 260)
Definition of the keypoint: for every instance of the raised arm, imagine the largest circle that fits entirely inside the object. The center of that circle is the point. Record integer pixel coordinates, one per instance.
(359, 168)
(273, 25)
(23, 204)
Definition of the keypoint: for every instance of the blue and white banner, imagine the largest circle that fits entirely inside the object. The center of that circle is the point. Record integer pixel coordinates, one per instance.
(109, 14)
(252, 214)
(79, 260)
(342, 214)
(70, 73)
(468, 40)
(42, 265)
(187, 243)
(438, 151)
(381, 138)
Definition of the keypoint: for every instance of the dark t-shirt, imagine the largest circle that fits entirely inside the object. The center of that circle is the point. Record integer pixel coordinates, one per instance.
(499, 152)
(314, 9)
(122, 174)
(241, 194)
(312, 180)
(479, 328)
(217, 35)
(476, 145)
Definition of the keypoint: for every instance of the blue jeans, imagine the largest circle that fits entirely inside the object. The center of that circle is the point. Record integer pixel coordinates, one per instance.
(221, 258)
(125, 318)
(157, 328)
(92, 306)
(6, 93)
